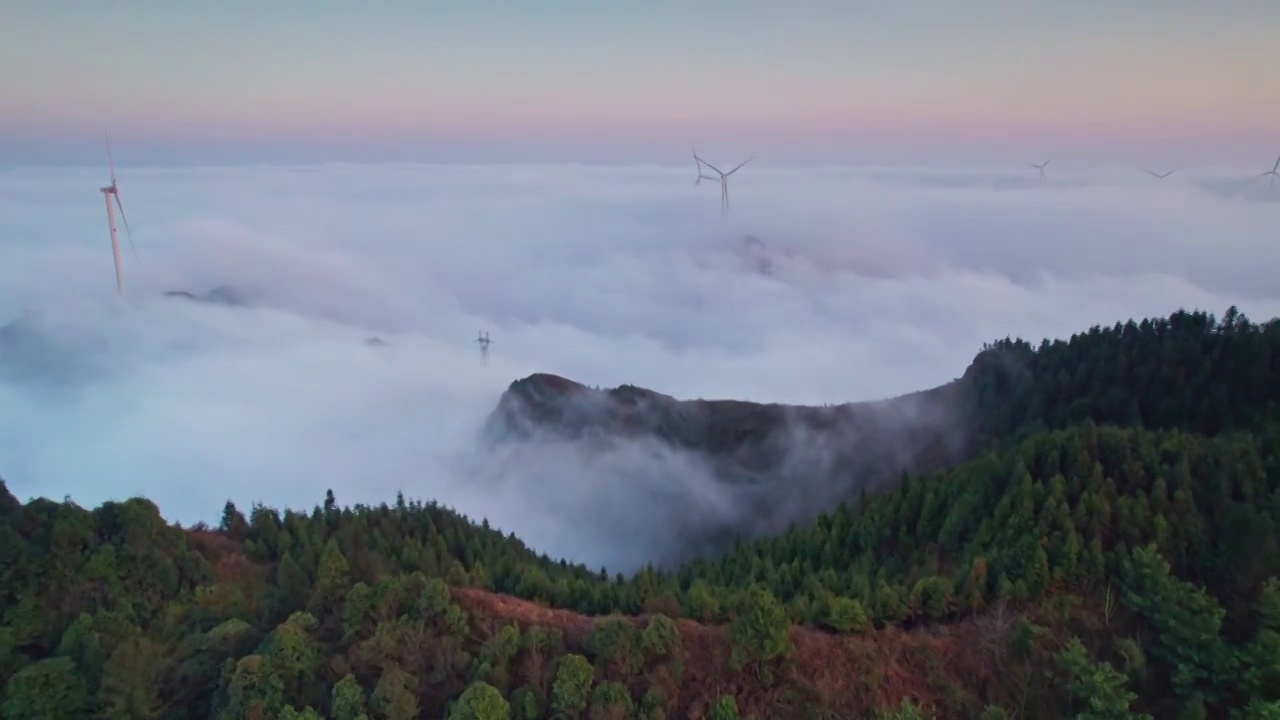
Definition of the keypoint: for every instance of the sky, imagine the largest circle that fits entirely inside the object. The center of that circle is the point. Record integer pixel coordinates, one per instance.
(567, 81)
(861, 284)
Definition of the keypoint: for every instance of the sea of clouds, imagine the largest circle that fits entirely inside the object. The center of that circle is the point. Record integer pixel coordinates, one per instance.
(859, 284)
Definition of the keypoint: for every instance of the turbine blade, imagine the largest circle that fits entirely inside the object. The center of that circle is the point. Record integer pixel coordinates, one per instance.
(110, 160)
(1152, 173)
(1277, 165)
(125, 219)
(1046, 163)
(713, 167)
(744, 162)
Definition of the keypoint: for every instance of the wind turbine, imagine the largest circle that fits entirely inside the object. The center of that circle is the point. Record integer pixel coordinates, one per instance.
(1158, 175)
(1274, 172)
(109, 192)
(698, 160)
(724, 181)
(1041, 167)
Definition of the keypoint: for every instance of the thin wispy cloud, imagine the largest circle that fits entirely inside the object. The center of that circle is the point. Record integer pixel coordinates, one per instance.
(855, 284)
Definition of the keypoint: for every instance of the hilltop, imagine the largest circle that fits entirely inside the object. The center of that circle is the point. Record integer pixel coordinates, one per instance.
(774, 465)
(786, 464)
(836, 449)
(748, 438)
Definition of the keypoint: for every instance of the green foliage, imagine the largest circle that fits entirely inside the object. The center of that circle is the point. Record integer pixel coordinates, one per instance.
(1097, 686)
(616, 646)
(497, 655)
(725, 708)
(994, 712)
(572, 687)
(46, 690)
(843, 614)
(395, 696)
(908, 709)
(661, 638)
(347, 700)
(307, 713)
(653, 705)
(1258, 710)
(130, 685)
(1186, 622)
(331, 580)
(481, 701)
(760, 634)
(611, 701)
(525, 704)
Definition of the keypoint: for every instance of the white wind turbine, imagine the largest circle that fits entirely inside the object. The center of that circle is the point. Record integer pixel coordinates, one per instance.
(1041, 167)
(109, 192)
(698, 160)
(724, 180)
(1154, 174)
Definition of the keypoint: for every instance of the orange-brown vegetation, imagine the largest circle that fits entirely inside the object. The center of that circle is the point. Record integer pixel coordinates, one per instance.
(843, 674)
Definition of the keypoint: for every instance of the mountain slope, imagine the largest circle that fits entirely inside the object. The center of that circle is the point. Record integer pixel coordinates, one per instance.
(1117, 537)
(1068, 567)
(194, 642)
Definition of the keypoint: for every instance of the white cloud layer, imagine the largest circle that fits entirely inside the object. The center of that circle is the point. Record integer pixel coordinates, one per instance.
(876, 282)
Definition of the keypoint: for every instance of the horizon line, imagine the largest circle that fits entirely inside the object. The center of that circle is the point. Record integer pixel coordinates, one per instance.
(1012, 165)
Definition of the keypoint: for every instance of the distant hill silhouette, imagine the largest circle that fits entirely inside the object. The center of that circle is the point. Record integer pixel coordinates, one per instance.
(221, 295)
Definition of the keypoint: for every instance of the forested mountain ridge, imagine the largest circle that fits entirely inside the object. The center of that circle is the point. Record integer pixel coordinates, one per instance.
(785, 464)
(1190, 371)
(1119, 375)
(1071, 568)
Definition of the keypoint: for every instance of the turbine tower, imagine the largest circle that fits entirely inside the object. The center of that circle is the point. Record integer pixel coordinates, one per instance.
(1274, 172)
(701, 176)
(113, 192)
(724, 180)
(482, 339)
(1158, 175)
(1041, 167)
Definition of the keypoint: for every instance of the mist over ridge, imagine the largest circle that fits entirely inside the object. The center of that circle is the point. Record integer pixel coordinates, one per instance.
(858, 285)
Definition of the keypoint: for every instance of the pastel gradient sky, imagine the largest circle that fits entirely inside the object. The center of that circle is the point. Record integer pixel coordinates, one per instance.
(587, 81)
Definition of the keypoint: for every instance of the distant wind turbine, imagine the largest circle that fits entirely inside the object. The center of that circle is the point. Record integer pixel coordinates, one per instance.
(109, 192)
(701, 177)
(1041, 167)
(1158, 175)
(724, 180)
(1274, 172)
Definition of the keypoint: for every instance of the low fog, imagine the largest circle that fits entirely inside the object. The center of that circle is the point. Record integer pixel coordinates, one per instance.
(857, 284)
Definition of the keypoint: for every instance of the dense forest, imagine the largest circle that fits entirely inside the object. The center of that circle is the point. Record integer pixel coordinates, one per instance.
(1112, 551)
